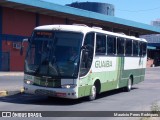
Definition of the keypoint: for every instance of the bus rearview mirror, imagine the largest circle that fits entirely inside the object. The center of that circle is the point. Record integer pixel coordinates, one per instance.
(22, 45)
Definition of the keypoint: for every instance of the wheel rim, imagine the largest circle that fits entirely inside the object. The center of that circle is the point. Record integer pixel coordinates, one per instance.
(129, 84)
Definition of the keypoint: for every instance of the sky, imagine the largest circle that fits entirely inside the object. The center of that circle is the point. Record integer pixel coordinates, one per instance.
(143, 11)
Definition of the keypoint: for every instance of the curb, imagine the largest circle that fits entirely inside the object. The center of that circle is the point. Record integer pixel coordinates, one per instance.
(4, 93)
(153, 67)
(11, 74)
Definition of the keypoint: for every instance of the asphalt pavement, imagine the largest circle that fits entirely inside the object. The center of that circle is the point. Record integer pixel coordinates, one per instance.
(140, 98)
(11, 83)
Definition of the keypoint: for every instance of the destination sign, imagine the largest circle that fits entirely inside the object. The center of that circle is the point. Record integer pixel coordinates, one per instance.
(43, 34)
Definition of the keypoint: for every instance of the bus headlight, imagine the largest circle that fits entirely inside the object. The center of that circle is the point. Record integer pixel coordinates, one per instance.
(29, 82)
(69, 86)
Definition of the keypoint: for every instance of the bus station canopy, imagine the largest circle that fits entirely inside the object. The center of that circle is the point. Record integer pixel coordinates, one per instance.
(83, 16)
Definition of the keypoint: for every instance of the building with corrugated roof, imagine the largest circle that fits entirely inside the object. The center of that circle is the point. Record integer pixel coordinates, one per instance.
(19, 17)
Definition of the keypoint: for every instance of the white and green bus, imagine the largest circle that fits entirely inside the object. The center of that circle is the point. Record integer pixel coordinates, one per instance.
(74, 61)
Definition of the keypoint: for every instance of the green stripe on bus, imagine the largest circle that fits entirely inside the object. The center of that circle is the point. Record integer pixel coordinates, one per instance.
(110, 79)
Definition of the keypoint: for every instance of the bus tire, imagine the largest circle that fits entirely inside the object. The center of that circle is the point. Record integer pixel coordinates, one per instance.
(129, 85)
(93, 93)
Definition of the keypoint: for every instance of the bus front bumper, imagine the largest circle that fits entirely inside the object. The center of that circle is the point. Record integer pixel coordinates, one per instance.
(70, 93)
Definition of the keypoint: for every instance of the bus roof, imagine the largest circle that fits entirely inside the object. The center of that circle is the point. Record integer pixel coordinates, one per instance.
(84, 29)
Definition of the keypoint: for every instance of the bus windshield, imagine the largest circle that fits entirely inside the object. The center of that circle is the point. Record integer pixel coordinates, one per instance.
(54, 54)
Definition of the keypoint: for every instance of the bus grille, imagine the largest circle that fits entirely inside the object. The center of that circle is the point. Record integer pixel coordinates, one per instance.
(52, 83)
(45, 92)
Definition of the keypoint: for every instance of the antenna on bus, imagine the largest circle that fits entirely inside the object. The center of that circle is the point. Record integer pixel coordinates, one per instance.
(121, 33)
(97, 27)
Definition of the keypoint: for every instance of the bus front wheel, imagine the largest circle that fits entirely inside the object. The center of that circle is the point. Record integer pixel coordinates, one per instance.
(93, 93)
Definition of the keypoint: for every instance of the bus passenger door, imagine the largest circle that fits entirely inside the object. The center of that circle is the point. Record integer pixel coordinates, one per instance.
(85, 65)
(120, 62)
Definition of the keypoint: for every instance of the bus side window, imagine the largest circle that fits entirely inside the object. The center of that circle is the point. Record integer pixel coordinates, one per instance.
(144, 48)
(120, 46)
(128, 49)
(100, 44)
(111, 45)
(89, 48)
(135, 48)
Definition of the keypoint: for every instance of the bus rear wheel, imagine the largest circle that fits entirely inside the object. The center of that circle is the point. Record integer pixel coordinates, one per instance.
(93, 93)
(129, 85)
